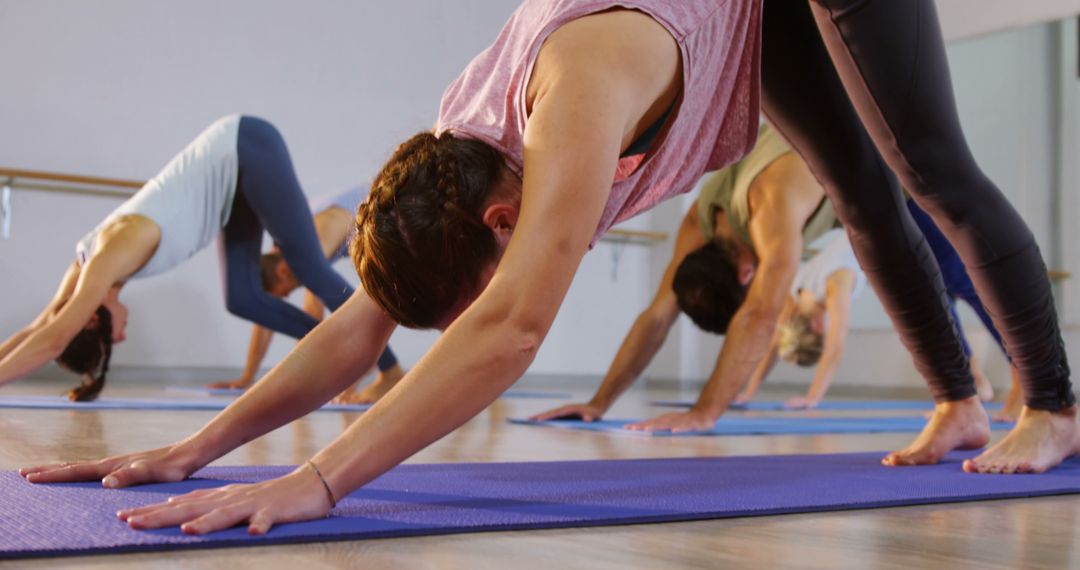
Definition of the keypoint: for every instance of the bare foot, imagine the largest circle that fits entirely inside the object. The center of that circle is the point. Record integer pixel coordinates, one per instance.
(1014, 403)
(382, 384)
(955, 425)
(238, 384)
(1039, 442)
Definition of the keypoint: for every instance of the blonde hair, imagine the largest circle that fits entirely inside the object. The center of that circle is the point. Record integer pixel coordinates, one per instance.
(798, 342)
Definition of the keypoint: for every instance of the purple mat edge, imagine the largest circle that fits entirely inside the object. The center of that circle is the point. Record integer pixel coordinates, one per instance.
(954, 458)
(629, 521)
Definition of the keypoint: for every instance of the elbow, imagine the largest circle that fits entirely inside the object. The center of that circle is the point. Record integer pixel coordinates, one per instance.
(243, 307)
(53, 349)
(516, 342)
(758, 315)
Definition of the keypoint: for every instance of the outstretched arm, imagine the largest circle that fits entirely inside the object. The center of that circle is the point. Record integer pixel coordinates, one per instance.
(764, 368)
(644, 339)
(579, 117)
(838, 289)
(123, 248)
(63, 292)
(318, 368)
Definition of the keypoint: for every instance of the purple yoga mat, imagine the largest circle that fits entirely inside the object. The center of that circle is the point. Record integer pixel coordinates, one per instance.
(414, 500)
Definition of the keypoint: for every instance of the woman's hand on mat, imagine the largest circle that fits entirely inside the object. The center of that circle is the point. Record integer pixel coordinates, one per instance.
(163, 465)
(586, 412)
(801, 403)
(298, 496)
(237, 384)
(692, 420)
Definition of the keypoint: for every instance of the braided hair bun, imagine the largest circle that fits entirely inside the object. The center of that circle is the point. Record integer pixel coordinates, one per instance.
(421, 244)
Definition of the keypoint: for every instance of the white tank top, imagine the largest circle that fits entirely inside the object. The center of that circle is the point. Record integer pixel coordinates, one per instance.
(834, 254)
(190, 199)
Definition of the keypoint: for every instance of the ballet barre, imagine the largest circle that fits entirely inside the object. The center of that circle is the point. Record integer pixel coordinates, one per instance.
(636, 237)
(14, 178)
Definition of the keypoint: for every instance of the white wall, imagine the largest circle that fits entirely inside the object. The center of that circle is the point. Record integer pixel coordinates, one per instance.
(116, 87)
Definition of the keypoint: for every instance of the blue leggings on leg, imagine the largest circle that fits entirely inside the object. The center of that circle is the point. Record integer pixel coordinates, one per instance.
(958, 284)
(269, 198)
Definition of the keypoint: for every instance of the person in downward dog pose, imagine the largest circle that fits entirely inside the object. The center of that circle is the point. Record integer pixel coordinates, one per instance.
(334, 226)
(548, 138)
(233, 182)
(813, 326)
(716, 258)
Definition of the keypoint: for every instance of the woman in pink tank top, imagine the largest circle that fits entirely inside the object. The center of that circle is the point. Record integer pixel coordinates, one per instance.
(581, 114)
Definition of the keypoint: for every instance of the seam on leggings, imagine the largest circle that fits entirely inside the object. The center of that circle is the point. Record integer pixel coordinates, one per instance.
(877, 103)
(914, 74)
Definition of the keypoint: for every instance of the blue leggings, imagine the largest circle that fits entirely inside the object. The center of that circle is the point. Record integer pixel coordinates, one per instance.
(958, 284)
(269, 198)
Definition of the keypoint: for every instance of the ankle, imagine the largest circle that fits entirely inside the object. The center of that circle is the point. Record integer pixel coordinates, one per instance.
(959, 406)
(1029, 413)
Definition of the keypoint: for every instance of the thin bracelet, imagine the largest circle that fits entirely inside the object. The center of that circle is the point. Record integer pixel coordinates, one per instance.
(329, 493)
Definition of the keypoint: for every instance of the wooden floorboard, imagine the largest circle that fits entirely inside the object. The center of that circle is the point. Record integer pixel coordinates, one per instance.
(1030, 533)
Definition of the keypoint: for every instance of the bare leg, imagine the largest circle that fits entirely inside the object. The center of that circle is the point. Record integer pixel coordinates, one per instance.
(891, 59)
(1014, 402)
(982, 383)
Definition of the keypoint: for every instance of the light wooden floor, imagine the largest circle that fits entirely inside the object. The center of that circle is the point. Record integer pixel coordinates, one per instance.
(1032, 533)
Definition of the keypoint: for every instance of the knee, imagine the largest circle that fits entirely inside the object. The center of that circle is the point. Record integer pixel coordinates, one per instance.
(243, 304)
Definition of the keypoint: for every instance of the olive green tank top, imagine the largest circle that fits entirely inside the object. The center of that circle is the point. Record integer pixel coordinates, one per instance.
(729, 189)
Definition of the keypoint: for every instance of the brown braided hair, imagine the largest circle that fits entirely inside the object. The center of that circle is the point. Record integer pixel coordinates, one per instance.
(421, 244)
(89, 350)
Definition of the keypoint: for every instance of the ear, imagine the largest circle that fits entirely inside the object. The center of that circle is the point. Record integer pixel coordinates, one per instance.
(501, 218)
(93, 323)
(746, 273)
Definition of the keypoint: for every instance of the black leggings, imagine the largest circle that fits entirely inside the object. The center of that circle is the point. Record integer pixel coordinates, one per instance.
(269, 198)
(831, 67)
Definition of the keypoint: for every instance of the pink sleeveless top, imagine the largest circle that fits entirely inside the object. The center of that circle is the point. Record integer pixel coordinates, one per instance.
(715, 122)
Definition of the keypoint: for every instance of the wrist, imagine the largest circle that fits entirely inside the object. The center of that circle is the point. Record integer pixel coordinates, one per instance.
(191, 455)
(321, 483)
(600, 403)
(707, 411)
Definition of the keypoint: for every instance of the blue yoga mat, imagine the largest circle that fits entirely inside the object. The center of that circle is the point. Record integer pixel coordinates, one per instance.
(414, 500)
(729, 425)
(204, 391)
(827, 405)
(62, 403)
(514, 394)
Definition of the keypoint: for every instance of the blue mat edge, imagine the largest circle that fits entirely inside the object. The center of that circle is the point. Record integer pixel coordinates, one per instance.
(994, 426)
(829, 405)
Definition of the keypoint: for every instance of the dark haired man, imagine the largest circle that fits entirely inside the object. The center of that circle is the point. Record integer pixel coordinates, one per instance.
(735, 257)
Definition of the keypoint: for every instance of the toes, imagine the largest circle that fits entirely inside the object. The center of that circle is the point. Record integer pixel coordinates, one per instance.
(896, 460)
